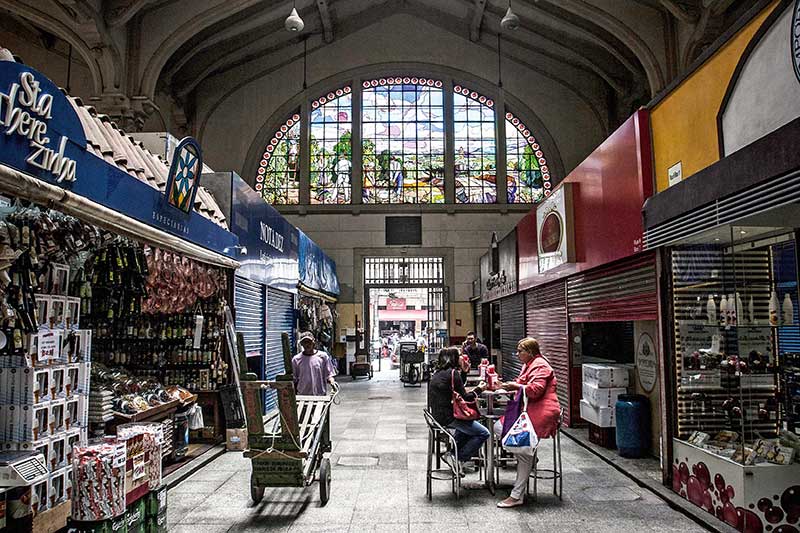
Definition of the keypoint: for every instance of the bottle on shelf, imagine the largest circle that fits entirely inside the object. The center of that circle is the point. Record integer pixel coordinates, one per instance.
(711, 310)
(723, 310)
(773, 309)
(741, 318)
(788, 310)
(751, 311)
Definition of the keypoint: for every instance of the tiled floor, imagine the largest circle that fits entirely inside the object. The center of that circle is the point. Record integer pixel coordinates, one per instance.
(381, 420)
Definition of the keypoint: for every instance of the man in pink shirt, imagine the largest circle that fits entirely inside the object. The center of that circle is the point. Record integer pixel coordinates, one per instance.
(312, 368)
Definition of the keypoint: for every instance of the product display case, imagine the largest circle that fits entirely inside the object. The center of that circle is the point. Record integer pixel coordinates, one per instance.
(737, 338)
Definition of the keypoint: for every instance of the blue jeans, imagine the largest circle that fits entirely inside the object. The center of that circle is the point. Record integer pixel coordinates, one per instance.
(470, 436)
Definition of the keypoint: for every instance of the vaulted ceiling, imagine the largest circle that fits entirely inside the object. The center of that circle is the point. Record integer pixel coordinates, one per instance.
(615, 54)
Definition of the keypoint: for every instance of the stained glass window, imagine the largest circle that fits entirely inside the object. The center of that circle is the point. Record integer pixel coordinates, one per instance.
(403, 141)
(527, 172)
(331, 147)
(277, 178)
(475, 147)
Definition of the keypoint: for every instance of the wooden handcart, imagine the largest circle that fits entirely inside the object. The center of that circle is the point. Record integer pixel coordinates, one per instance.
(287, 446)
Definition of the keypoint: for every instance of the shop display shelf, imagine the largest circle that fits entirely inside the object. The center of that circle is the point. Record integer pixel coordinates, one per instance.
(150, 413)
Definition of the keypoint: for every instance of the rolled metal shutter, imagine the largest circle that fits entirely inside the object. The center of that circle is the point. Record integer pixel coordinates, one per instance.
(621, 292)
(280, 318)
(249, 299)
(546, 308)
(512, 329)
(478, 310)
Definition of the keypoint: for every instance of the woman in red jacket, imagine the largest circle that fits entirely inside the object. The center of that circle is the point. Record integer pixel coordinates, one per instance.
(537, 381)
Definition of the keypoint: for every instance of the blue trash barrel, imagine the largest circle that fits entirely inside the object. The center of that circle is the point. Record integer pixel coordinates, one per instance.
(633, 425)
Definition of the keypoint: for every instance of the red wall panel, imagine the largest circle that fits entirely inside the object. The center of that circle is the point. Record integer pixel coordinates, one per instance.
(610, 187)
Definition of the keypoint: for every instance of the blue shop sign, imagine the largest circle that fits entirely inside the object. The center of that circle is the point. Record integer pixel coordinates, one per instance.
(43, 137)
(317, 270)
(270, 240)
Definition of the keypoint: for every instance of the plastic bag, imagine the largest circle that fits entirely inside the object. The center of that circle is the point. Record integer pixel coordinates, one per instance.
(196, 417)
(521, 438)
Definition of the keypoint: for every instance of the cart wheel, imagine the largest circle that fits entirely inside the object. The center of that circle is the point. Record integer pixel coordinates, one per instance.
(256, 493)
(325, 481)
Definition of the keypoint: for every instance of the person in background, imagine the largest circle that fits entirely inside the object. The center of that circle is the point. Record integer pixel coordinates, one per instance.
(474, 350)
(470, 434)
(312, 368)
(538, 382)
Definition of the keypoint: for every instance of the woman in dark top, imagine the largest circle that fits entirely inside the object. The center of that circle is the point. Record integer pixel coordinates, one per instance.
(470, 434)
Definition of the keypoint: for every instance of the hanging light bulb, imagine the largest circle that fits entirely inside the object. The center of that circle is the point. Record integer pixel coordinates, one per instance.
(293, 22)
(510, 21)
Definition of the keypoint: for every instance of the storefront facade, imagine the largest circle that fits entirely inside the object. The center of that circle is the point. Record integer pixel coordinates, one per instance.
(728, 235)
(115, 295)
(590, 292)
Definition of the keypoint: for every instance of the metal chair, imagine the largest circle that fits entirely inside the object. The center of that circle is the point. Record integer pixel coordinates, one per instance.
(554, 473)
(438, 435)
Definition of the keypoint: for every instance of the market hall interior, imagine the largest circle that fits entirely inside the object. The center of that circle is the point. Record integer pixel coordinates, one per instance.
(189, 188)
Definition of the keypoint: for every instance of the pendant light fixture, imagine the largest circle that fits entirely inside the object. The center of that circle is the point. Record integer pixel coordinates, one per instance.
(510, 21)
(293, 22)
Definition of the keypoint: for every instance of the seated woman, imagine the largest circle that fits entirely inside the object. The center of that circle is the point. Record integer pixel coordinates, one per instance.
(470, 435)
(538, 382)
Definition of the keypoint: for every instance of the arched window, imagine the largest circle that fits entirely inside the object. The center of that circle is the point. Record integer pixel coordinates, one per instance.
(277, 178)
(402, 122)
(331, 147)
(526, 167)
(475, 147)
(405, 147)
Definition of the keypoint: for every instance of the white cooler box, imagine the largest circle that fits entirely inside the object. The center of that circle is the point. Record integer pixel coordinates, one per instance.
(601, 397)
(599, 416)
(606, 376)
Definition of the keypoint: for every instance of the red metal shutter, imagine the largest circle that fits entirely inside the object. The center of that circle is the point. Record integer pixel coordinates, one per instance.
(547, 322)
(620, 292)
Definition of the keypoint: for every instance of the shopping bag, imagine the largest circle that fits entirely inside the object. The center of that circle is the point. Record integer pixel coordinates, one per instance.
(513, 409)
(521, 438)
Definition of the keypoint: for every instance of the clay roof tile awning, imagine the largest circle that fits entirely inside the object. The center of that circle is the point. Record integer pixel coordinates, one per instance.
(107, 141)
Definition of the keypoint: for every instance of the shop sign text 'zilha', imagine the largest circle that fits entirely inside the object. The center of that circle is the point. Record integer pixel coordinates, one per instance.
(24, 110)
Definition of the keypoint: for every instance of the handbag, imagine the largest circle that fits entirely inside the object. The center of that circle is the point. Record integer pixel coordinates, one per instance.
(462, 409)
(521, 439)
(513, 409)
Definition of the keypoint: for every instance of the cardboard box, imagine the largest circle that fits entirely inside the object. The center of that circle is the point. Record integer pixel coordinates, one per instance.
(157, 502)
(57, 488)
(599, 416)
(58, 452)
(601, 397)
(83, 411)
(72, 438)
(71, 381)
(236, 440)
(71, 412)
(58, 376)
(48, 347)
(84, 374)
(57, 416)
(606, 376)
(137, 515)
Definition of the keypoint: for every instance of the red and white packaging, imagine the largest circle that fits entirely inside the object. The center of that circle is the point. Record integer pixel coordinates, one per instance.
(98, 488)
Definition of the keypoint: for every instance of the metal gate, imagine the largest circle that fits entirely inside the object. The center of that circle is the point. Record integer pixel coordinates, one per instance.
(546, 309)
(280, 318)
(249, 300)
(438, 320)
(512, 329)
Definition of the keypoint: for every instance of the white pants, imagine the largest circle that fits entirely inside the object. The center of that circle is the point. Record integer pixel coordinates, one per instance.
(524, 467)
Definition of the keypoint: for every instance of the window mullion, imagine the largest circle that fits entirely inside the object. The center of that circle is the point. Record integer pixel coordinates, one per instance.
(304, 163)
(500, 150)
(357, 164)
(449, 145)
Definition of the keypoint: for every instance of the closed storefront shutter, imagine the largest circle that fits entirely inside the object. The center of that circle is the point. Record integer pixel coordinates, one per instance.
(280, 319)
(546, 311)
(250, 303)
(478, 309)
(621, 292)
(512, 329)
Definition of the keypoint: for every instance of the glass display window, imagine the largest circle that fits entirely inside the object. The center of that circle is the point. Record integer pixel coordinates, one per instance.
(734, 297)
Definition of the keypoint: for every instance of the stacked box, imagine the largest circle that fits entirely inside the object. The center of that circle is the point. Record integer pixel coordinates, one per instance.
(156, 502)
(602, 385)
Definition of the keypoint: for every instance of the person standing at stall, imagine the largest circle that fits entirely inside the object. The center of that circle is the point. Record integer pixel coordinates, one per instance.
(474, 350)
(312, 368)
(537, 381)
